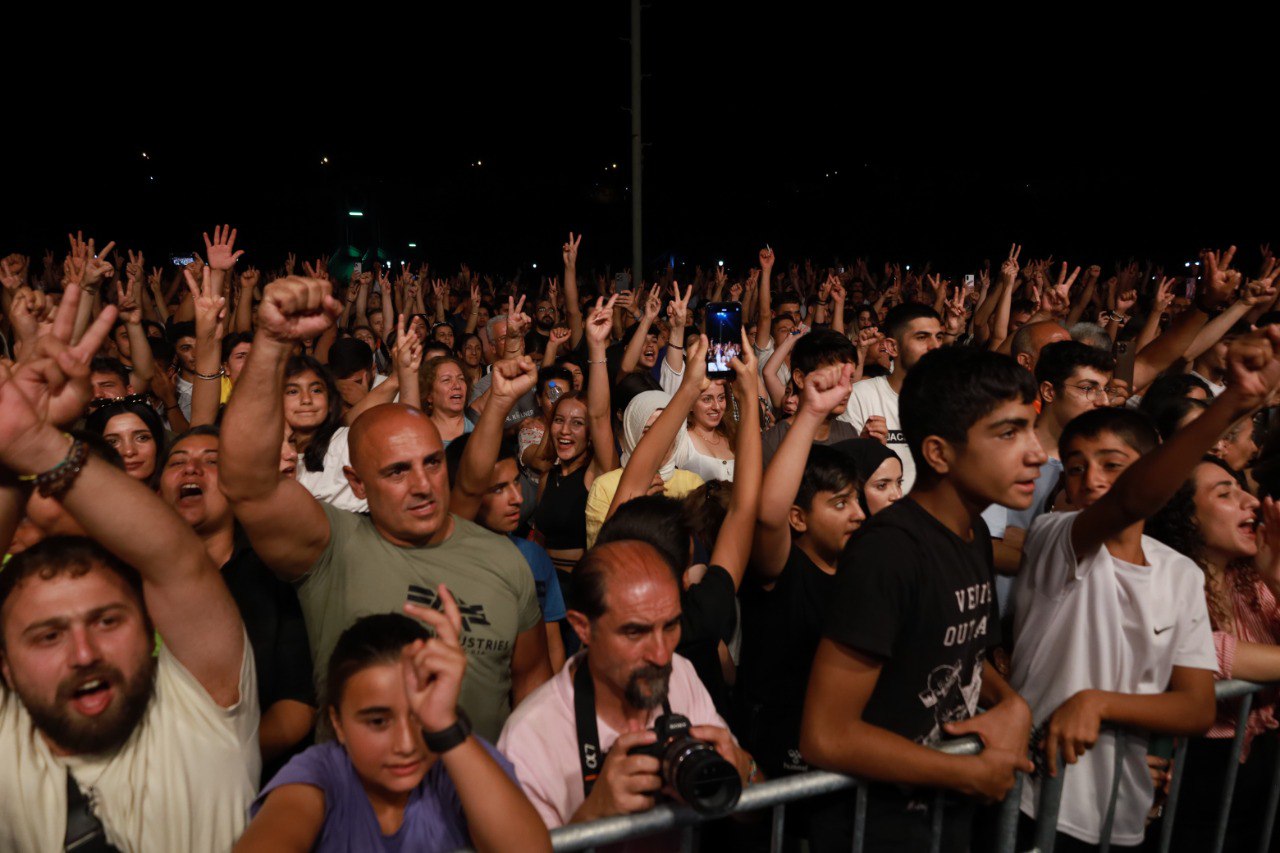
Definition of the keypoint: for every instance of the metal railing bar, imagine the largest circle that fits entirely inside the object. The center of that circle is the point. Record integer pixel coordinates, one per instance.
(1233, 767)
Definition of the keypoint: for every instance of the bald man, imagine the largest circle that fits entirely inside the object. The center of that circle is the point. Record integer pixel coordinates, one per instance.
(625, 607)
(347, 565)
(1033, 337)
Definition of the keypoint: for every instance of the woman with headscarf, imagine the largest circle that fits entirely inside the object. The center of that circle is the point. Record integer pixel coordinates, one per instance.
(670, 480)
(879, 469)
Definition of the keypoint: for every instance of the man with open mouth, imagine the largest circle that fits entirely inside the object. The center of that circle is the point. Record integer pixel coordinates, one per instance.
(94, 720)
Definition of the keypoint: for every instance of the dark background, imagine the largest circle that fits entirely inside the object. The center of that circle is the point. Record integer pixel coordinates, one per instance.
(823, 135)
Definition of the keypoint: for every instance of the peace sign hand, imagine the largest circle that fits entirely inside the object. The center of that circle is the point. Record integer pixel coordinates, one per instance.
(433, 668)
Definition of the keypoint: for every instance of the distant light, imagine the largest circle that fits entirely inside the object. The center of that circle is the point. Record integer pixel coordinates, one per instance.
(413, 245)
(535, 266)
(1187, 264)
(145, 156)
(324, 160)
(720, 263)
(615, 165)
(355, 213)
(151, 177)
(828, 174)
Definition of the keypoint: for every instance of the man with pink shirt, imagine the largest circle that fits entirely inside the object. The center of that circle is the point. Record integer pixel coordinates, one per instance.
(625, 607)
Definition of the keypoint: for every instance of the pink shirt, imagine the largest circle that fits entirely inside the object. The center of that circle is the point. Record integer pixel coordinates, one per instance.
(1260, 624)
(541, 737)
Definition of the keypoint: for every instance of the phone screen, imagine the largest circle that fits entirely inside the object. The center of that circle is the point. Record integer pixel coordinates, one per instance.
(724, 338)
(1190, 292)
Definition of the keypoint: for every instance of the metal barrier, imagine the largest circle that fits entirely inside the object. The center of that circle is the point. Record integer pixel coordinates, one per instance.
(775, 794)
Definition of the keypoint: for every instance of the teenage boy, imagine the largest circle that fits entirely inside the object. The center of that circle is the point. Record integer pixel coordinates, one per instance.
(900, 663)
(821, 348)
(1112, 626)
(1071, 379)
(913, 331)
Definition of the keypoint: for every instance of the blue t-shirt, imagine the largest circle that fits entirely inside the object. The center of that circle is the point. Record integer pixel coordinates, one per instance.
(433, 818)
(545, 579)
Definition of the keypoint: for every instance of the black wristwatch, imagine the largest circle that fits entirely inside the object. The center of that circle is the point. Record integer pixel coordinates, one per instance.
(446, 739)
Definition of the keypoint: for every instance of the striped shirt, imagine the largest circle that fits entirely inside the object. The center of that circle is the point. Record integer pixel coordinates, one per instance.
(1259, 624)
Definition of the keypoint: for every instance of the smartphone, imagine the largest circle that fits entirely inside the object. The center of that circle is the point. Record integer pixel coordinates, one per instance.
(622, 283)
(181, 262)
(968, 282)
(1190, 292)
(724, 338)
(1126, 355)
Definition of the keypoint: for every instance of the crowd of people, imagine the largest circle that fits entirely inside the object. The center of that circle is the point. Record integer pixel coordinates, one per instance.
(413, 559)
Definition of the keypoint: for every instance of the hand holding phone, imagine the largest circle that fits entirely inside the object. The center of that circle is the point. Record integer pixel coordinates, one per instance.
(724, 338)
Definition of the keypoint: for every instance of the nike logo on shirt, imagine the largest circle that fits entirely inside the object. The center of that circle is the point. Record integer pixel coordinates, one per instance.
(1160, 631)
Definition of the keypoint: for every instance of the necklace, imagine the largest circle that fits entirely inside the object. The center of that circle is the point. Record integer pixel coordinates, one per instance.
(711, 437)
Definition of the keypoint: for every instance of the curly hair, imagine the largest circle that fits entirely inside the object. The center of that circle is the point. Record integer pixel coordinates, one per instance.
(1175, 525)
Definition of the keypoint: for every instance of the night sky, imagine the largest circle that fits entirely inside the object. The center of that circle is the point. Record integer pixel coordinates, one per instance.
(825, 137)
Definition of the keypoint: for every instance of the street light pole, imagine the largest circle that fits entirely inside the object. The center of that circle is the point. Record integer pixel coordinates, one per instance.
(637, 263)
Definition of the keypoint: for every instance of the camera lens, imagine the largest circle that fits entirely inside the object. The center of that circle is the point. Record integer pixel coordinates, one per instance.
(701, 777)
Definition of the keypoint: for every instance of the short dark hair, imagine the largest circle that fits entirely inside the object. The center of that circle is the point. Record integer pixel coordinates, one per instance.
(233, 340)
(1171, 385)
(104, 364)
(900, 316)
(951, 389)
(58, 555)
(821, 348)
(508, 448)
(1060, 359)
(1170, 412)
(1129, 425)
(655, 519)
(788, 296)
(203, 429)
(349, 356)
(826, 470)
(371, 640)
(177, 331)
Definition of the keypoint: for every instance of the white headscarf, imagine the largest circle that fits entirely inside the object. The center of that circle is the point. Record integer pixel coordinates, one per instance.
(637, 414)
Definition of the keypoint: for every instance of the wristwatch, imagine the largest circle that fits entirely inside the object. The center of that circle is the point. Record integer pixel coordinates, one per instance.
(446, 739)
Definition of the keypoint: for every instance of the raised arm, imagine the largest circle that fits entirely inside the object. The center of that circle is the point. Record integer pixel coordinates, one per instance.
(773, 383)
(764, 320)
(1004, 299)
(823, 390)
(678, 314)
(733, 542)
(1253, 372)
(512, 379)
(222, 255)
(1159, 305)
(185, 595)
(599, 415)
(1085, 297)
(286, 525)
(570, 254)
(211, 312)
(129, 303)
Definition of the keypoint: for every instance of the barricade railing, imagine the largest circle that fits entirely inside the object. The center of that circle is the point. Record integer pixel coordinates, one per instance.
(777, 794)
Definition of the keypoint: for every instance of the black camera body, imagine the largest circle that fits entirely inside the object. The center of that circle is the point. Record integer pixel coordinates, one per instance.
(692, 768)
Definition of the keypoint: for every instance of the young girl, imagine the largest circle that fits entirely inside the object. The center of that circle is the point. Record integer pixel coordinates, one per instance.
(379, 786)
(313, 414)
(1212, 520)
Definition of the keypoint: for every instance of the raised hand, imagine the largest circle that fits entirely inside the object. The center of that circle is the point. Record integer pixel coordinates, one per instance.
(433, 668)
(297, 309)
(518, 322)
(127, 301)
(221, 250)
(408, 349)
(838, 294)
(18, 265)
(956, 312)
(678, 308)
(1220, 281)
(1268, 559)
(745, 368)
(249, 279)
(318, 270)
(290, 263)
(558, 337)
(1164, 295)
(824, 289)
(1009, 269)
(600, 323)
(210, 309)
(936, 284)
(766, 259)
(569, 251)
(1125, 301)
(1253, 368)
(513, 378)
(10, 278)
(826, 388)
(28, 311)
(735, 292)
(653, 303)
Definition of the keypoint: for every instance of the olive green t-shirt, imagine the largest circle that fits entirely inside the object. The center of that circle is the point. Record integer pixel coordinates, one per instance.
(361, 573)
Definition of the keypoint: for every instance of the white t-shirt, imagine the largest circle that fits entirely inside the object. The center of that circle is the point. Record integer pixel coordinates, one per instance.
(875, 397)
(183, 780)
(1104, 624)
(763, 355)
(330, 485)
(183, 389)
(541, 737)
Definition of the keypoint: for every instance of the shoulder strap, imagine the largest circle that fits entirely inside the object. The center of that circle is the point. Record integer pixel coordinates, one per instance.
(584, 709)
(85, 833)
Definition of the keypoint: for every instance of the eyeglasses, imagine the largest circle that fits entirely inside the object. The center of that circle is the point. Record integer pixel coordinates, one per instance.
(1090, 392)
(99, 402)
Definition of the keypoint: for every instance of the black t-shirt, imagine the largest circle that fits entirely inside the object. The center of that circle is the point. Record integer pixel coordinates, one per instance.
(781, 628)
(708, 616)
(920, 598)
(277, 634)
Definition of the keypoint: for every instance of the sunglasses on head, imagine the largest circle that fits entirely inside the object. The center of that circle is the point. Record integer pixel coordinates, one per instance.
(99, 402)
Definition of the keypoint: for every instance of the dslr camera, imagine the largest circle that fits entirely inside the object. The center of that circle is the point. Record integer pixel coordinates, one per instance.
(692, 768)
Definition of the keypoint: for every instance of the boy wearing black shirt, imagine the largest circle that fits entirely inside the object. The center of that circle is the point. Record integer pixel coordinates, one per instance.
(900, 664)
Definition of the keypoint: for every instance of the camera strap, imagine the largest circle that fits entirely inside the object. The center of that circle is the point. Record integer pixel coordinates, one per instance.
(590, 756)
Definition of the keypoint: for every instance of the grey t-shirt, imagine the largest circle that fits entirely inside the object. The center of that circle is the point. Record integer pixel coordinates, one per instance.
(361, 573)
(772, 438)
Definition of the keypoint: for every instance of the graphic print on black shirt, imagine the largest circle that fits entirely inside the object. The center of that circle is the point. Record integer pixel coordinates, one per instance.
(920, 599)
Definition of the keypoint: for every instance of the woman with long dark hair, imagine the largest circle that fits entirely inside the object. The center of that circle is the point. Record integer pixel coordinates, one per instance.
(313, 415)
(135, 430)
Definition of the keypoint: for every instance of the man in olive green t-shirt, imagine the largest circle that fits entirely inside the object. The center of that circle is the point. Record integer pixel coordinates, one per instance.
(347, 565)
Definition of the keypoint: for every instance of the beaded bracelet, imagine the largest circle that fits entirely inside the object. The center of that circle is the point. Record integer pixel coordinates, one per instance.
(55, 482)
